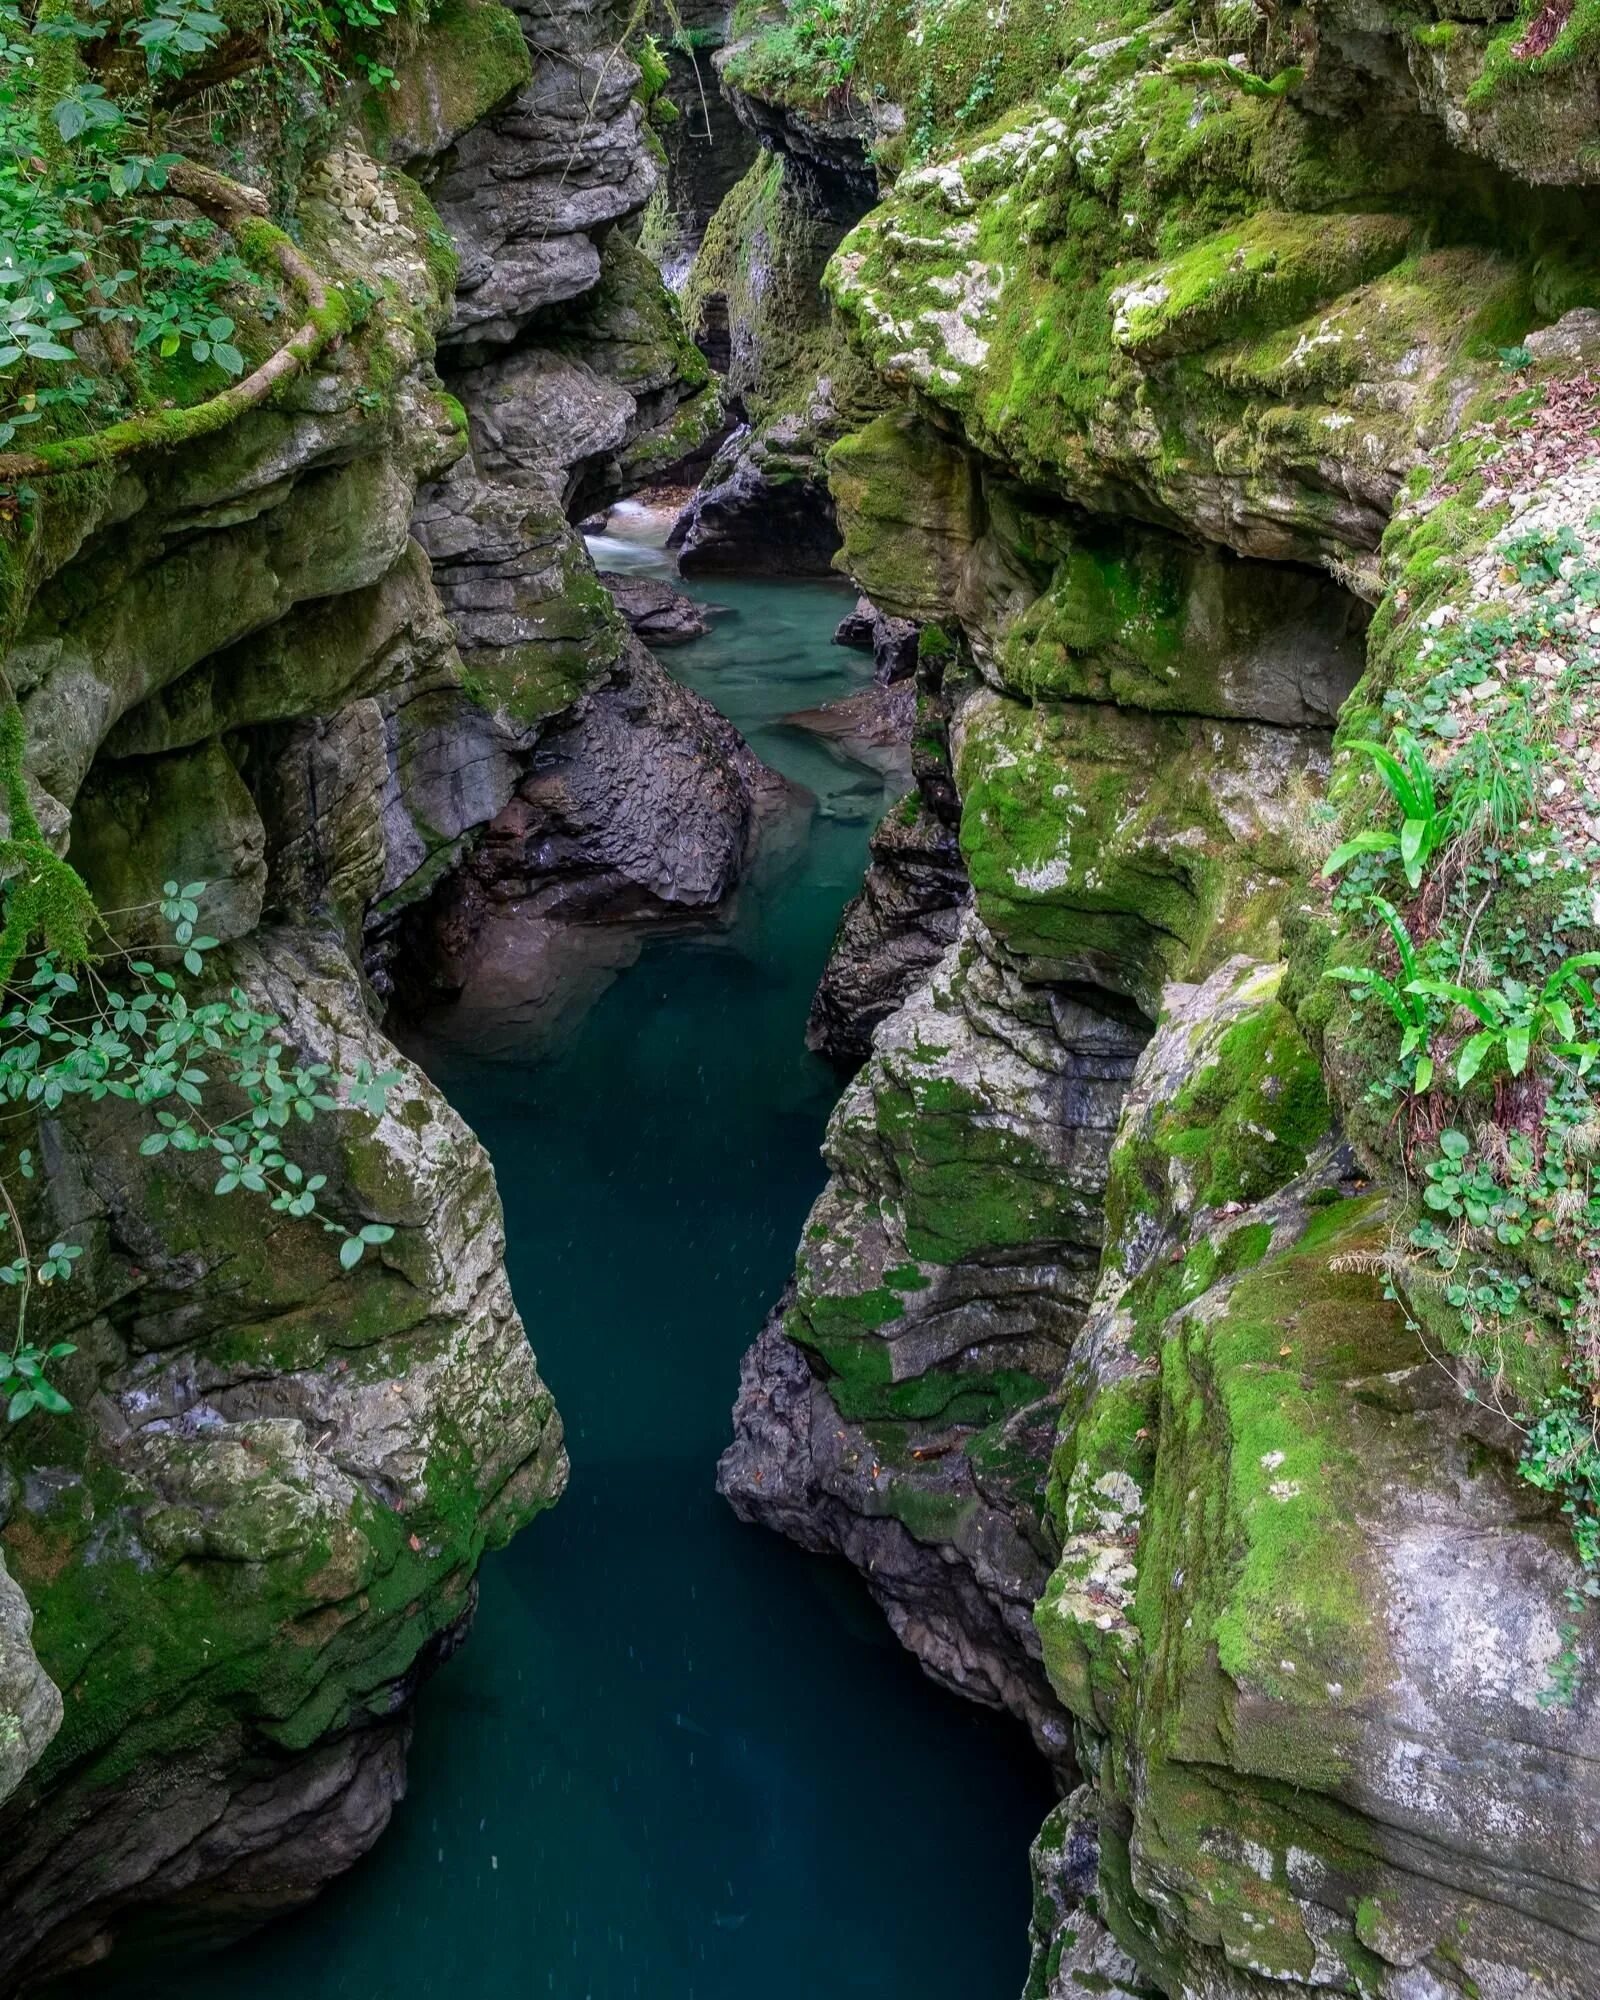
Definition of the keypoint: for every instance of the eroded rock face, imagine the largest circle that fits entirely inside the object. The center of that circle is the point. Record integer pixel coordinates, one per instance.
(258, 1528)
(903, 1404)
(892, 933)
(1273, 1512)
(1174, 363)
(640, 800)
(763, 503)
(527, 194)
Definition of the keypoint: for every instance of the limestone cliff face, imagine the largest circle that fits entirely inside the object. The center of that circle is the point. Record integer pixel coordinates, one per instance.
(578, 384)
(231, 1565)
(753, 298)
(1120, 1301)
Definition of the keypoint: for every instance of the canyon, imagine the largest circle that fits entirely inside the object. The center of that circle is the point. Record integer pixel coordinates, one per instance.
(1179, 880)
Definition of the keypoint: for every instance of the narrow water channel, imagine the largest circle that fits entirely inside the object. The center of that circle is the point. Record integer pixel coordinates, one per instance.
(678, 1759)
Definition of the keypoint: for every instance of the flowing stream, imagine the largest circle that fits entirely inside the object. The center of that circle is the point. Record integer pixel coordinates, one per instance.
(678, 1758)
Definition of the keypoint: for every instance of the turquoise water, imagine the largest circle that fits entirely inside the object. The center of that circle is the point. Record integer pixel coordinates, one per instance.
(678, 1758)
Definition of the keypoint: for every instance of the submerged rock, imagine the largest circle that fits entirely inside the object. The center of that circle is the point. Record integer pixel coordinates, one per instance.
(872, 727)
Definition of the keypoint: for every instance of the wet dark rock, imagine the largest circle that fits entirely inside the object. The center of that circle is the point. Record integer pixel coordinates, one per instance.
(891, 934)
(855, 628)
(657, 614)
(796, 1466)
(763, 511)
(640, 800)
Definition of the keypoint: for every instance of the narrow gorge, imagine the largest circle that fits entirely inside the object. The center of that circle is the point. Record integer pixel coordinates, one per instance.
(888, 712)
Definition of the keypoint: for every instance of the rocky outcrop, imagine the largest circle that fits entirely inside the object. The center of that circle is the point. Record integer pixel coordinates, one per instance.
(639, 801)
(233, 1559)
(941, 1276)
(656, 613)
(892, 933)
(258, 1530)
(529, 193)
(258, 1525)
(892, 642)
(909, 909)
(577, 382)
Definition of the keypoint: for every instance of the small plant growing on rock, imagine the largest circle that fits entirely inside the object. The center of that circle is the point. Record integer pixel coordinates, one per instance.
(1407, 1002)
(1493, 665)
(215, 1074)
(1516, 1017)
(1423, 828)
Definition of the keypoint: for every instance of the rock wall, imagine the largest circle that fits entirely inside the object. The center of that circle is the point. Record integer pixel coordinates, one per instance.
(1113, 1358)
(753, 298)
(321, 660)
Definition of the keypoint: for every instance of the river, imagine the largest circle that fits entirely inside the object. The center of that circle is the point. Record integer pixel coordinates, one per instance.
(678, 1758)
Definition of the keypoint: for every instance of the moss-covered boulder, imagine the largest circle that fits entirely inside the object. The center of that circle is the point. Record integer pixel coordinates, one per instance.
(939, 1281)
(260, 1523)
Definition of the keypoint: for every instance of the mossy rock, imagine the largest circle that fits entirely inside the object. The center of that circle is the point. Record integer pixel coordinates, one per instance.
(470, 58)
(908, 507)
(1116, 847)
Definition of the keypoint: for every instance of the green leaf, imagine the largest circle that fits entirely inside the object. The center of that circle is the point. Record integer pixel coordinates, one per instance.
(1518, 1042)
(1453, 1144)
(1485, 1004)
(1424, 1075)
(350, 1252)
(1395, 776)
(1362, 843)
(376, 1232)
(1473, 1052)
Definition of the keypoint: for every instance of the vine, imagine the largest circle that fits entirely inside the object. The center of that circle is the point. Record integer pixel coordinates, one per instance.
(129, 270)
